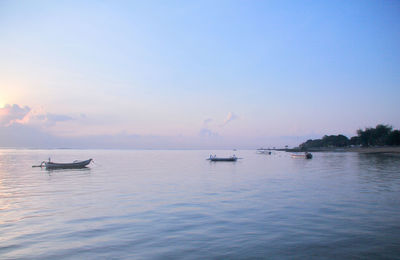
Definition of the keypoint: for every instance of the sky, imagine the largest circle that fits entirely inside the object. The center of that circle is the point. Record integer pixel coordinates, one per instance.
(195, 74)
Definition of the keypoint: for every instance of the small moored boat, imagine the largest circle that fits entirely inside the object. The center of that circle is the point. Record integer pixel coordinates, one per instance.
(302, 156)
(74, 165)
(264, 151)
(222, 159)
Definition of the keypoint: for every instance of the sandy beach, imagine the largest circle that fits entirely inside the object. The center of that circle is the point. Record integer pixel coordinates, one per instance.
(389, 149)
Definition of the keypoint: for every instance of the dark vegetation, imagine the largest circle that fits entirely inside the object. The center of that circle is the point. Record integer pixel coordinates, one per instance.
(381, 135)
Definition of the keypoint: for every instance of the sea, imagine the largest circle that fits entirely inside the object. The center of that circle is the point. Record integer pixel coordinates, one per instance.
(174, 204)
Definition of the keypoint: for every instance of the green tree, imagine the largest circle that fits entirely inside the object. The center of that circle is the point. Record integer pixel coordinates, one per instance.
(335, 141)
(374, 136)
(355, 140)
(326, 141)
(394, 138)
(381, 134)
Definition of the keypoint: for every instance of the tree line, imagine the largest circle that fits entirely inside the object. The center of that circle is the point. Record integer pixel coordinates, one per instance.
(381, 135)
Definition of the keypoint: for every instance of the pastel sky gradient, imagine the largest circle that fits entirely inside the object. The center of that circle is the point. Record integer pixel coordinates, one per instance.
(195, 74)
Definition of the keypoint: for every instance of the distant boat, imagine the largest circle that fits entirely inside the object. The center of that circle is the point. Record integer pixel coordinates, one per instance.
(74, 165)
(222, 159)
(263, 151)
(301, 156)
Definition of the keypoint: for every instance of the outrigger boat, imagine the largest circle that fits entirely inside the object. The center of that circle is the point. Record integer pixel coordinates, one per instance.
(74, 165)
(264, 151)
(222, 159)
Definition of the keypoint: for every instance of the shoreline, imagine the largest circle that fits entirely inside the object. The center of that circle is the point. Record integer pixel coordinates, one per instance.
(365, 150)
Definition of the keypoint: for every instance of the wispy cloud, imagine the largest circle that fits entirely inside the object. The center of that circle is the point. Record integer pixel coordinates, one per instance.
(58, 117)
(16, 114)
(209, 125)
(229, 118)
(207, 121)
(25, 127)
(205, 132)
(42, 119)
(12, 113)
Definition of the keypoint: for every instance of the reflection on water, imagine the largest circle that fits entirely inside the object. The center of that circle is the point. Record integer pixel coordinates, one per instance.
(379, 162)
(175, 204)
(380, 169)
(55, 171)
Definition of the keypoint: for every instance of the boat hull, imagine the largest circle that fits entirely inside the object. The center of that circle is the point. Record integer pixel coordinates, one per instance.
(230, 159)
(302, 156)
(75, 165)
(264, 152)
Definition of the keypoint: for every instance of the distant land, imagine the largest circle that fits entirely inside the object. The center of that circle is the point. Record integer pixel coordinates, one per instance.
(381, 139)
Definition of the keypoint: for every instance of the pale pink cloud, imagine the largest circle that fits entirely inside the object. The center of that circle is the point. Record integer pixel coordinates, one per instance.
(15, 114)
(11, 113)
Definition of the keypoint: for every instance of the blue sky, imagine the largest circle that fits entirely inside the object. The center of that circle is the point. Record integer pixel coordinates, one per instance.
(171, 74)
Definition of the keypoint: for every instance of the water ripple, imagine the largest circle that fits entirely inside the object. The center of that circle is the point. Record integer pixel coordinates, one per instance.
(152, 205)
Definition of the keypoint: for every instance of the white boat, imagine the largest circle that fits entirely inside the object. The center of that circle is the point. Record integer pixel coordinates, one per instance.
(302, 156)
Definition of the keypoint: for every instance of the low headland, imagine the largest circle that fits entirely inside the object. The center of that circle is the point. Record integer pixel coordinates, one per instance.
(381, 139)
(376, 149)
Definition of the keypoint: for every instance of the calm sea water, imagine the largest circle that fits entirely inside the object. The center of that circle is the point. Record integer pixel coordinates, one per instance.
(177, 205)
